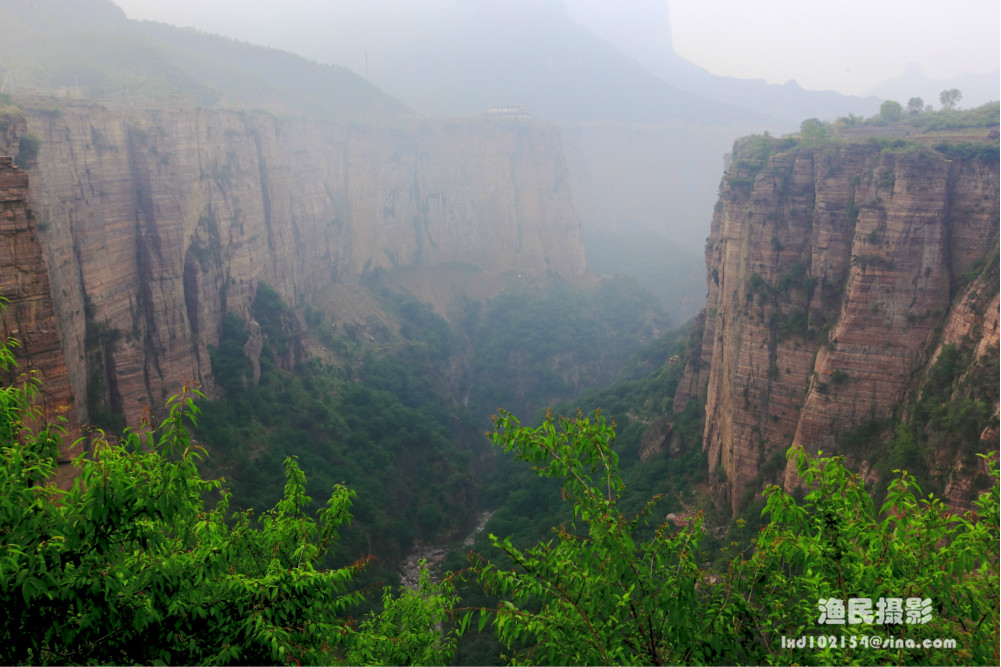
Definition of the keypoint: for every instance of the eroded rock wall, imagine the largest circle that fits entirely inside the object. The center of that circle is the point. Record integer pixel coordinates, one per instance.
(158, 223)
(835, 274)
(29, 316)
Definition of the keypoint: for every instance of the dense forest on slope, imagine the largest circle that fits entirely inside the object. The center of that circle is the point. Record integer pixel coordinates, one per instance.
(401, 405)
(536, 348)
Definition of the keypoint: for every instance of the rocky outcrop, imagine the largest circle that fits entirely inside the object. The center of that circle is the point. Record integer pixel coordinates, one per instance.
(835, 273)
(30, 316)
(161, 222)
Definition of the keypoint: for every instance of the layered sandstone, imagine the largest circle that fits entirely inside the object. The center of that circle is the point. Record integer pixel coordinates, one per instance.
(161, 222)
(29, 316)
(835, 273)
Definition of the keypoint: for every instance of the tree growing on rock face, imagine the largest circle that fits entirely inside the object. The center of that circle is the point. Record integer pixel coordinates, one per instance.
(27, 151)
(950, 98)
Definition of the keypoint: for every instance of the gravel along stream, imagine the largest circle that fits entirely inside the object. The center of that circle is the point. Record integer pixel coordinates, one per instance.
(433, 553)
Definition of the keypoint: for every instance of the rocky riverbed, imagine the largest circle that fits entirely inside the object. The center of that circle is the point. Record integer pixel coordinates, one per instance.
(433, 553)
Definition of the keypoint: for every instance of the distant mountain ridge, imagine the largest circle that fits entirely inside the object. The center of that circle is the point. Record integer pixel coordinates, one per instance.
(535, 57)
(787, 104)
(89, 49)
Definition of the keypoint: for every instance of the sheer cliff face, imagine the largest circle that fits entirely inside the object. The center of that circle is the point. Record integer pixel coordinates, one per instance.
(835, 276)
(29, 315)
(158, 223)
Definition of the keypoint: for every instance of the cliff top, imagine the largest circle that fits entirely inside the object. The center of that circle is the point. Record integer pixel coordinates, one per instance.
(961, 133)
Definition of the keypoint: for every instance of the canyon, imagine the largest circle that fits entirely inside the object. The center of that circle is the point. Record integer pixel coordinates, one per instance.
(838, 272)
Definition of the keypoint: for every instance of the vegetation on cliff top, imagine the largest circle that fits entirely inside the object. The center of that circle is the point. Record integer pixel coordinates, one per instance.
(887, 131)
(947, 118)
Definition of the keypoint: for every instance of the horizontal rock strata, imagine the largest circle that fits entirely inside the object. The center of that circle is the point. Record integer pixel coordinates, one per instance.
(158, 223)
(834, 275)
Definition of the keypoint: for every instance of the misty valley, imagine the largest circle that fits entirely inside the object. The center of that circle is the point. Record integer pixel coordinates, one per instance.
(653, 367)
(396, 406)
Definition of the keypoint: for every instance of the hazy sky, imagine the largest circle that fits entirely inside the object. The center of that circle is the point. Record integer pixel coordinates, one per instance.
(843, 45)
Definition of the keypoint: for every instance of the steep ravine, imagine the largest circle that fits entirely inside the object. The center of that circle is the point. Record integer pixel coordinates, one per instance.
(157, 223)
(836, 274)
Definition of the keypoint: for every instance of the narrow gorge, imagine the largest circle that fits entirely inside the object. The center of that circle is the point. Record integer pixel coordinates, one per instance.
(840, 273)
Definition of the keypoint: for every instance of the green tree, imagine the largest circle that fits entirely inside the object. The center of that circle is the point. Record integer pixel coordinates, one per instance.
(141, 562)
(950, 98)
(598, 595)
(890, 110)
(27, 151)
(594, 594)
(814, 132)
(915, 105)
(407, 632)
(835, 544)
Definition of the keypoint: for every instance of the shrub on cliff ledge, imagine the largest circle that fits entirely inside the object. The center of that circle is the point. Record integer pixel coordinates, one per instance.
(27, 151)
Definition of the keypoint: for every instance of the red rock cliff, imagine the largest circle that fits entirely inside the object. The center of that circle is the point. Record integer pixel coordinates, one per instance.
(30, 316)
(835, 276)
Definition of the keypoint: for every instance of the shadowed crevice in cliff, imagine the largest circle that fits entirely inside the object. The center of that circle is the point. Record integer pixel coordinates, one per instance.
(191, 291)
(265, 191)
(152, 263)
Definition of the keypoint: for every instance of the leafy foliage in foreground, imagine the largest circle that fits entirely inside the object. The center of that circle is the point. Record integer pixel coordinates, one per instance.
(601, 597)
(132, 566)
(597, 595)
